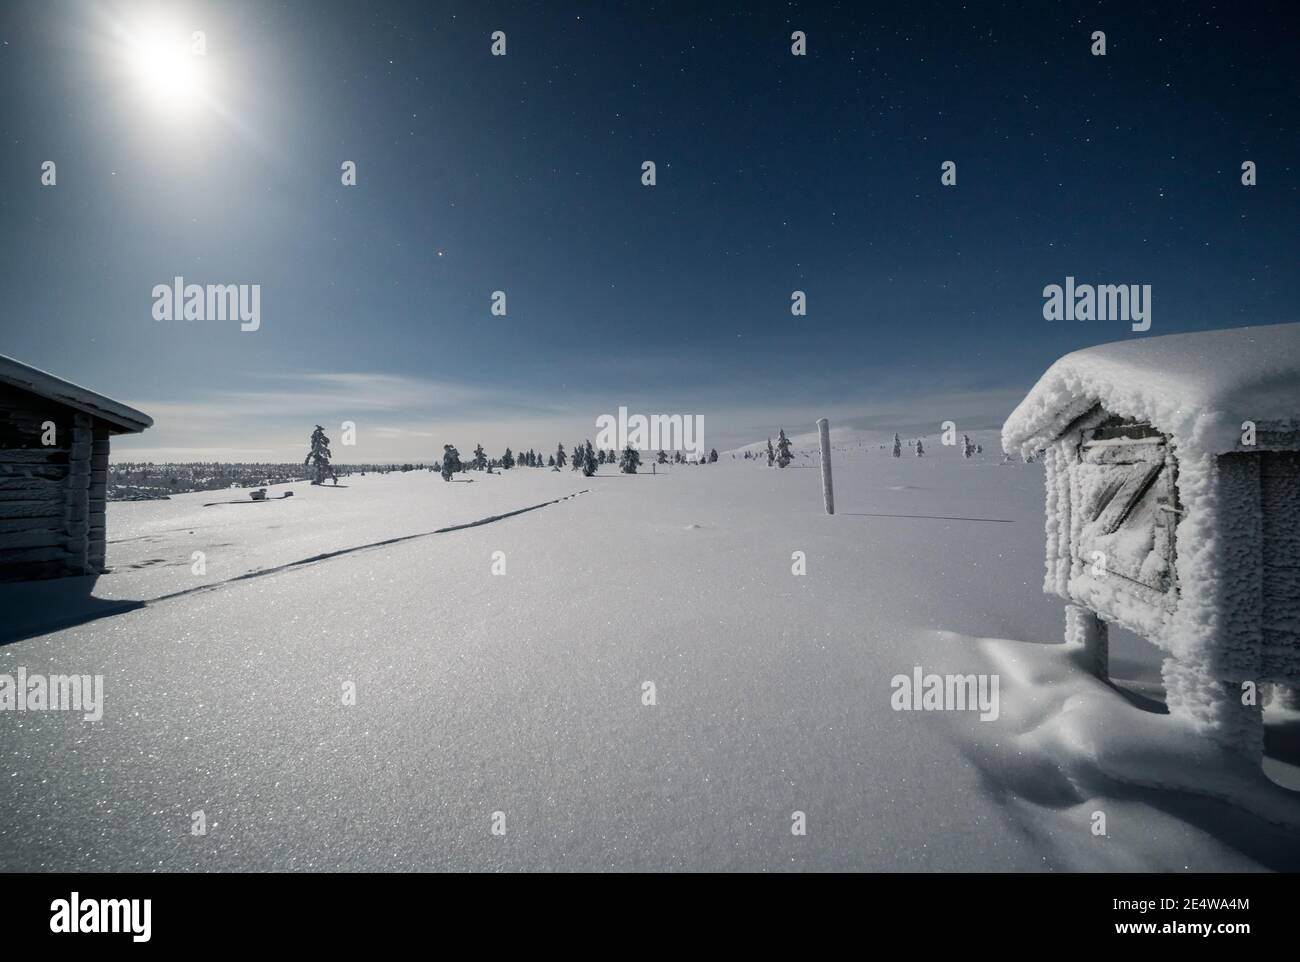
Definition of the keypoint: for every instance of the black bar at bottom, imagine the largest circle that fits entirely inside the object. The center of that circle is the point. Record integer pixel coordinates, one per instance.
(302, 911)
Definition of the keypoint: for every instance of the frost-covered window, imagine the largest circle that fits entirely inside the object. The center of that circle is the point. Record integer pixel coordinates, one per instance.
(1128, 505)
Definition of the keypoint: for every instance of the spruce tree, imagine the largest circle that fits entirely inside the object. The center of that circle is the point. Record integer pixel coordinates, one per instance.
(450, 461)
(319, 455)
(480, 458)
(507, 460)
(560, 457)
(783, 455)
(589, 461)
(630, 460)
(898, 446)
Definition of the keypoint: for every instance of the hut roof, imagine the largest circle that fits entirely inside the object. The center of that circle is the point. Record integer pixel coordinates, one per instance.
(1198, 387)
(119, 417)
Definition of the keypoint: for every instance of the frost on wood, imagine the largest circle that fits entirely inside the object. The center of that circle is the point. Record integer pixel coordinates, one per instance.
(1085, 631)
(1197, 387)
(1165, 516)
(1212, 706)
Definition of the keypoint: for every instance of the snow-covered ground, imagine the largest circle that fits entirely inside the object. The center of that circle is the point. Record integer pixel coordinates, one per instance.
(522, 693)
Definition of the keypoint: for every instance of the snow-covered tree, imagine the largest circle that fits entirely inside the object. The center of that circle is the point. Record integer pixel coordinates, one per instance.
(480, 458)
(630, 460)
(319, 455)
(898, 446)
(561, 459)
(550, 461)
(589, 460)
(661, 458)
(920, 448)
(783, 455)
(771, 453)
(967, 448)
(713, 455)
(507, 460)
(450, 461)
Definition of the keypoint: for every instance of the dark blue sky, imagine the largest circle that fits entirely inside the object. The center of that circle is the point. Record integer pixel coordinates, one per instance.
(775, 173)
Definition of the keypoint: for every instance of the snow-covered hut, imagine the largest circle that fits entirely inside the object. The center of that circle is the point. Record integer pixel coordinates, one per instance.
(54, 472)
(1173, 509)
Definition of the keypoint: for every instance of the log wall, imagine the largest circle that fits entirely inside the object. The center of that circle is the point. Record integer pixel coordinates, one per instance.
(50, 524)
(1280, 506)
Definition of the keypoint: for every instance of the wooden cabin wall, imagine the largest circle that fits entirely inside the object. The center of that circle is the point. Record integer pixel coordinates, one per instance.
(44, 505)
(1280, 505)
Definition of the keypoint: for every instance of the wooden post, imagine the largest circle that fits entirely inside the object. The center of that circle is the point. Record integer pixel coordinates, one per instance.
(1214, 706)
(824, 436)
(1086, 631)
(98, 496)
(76, 496)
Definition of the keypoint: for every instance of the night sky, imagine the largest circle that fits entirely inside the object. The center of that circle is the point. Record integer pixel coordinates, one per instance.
(523, 173)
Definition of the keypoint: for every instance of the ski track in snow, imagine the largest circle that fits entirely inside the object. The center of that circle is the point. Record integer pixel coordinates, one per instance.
(325, 556)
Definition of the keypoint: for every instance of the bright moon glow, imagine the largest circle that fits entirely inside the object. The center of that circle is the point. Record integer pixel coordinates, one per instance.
(166, 66)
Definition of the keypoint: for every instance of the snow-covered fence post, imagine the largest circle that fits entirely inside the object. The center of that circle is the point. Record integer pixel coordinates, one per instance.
(824, 436)
(1215, 707)
(1089, 633)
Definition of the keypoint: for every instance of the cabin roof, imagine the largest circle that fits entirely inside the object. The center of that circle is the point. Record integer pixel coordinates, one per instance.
(1198, 387)
(120, 418)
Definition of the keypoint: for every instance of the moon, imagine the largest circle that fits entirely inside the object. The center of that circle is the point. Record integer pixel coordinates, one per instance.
(165, 65)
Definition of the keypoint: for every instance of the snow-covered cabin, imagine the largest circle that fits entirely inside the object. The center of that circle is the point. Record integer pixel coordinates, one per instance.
(54, 472)
(1173, 509)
